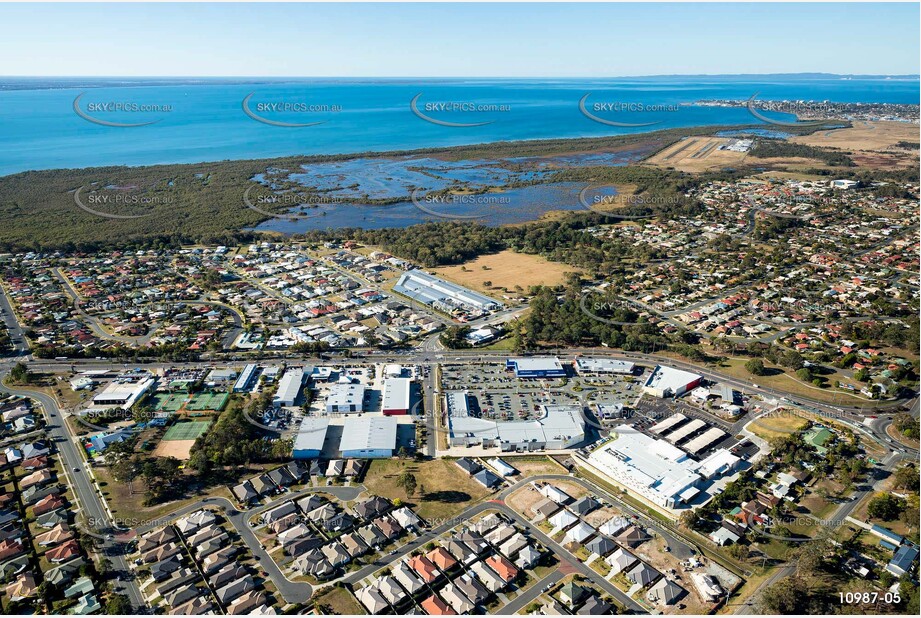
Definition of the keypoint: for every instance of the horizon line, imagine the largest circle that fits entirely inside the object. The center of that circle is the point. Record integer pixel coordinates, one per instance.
(568, 77)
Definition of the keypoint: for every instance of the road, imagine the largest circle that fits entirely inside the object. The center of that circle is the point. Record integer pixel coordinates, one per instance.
(95, 516)
(428, 354)
(529, 595)
(58, 431)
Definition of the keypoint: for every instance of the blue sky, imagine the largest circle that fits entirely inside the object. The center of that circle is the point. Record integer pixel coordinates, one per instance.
(454, 40)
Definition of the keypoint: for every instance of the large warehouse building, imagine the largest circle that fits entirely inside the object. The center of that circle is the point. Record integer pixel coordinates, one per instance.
(346, 398)
(656, 470)
(670, 382)
(308, 444)
(536, 367)
(122, 394)
(368, 437)
(588, 366)
(289, 387)
(245, 381)
(441, 294)
(560, 427)
(396, 396)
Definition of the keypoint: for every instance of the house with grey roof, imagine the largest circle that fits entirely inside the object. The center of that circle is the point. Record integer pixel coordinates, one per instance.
(229, 573)
(666, 592)
(163, 570)
(601, 545)
(595, 606)
(314, 563)
(620, 560)
(391, 590)
(230, 591)
(642, 574)
(336, 554)
(472, 588)
(310, 502)
(584, 505)
(182, 577)
(372, 536)
(245, 492)
(487, 576)
(527, 557)
(276, 513)
(179, 596)
(453, 596)
(407, 577)
(372, 599)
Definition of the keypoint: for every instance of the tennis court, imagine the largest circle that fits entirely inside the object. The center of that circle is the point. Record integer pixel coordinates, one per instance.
(208, 401)
(168, 401)
(186, 430)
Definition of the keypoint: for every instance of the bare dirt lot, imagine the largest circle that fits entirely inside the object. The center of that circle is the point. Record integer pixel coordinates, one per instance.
(180, 449)
(526, 497)
(505, 270)
(653, 553)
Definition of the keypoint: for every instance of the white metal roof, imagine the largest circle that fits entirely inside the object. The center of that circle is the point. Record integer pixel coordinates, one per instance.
(396, 394)
(369, 433)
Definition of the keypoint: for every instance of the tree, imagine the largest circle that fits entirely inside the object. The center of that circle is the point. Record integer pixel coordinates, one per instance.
(792, 359)
(118, 604)
(906, 425)
(21, 374)
(689, 519)
(907, 477)
(407, 481)
(755, 367)
(886, 507)
(787, 596)
(739, 552)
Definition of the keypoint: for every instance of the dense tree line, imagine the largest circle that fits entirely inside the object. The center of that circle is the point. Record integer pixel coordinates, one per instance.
(766, 148)
(234, 441)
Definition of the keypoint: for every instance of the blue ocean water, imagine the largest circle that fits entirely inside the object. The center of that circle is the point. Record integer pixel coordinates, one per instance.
(39, 128)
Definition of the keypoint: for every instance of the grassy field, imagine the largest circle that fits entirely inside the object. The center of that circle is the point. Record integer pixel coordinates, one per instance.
(448, 489)
(895, 435)
(777, 425)
(897, 525)
(862, 136)
(127, 505)
(533, 466)
(505, 270)
(735, 367)
(340, 601)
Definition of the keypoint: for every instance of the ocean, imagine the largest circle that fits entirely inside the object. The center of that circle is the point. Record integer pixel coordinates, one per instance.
(195, 122)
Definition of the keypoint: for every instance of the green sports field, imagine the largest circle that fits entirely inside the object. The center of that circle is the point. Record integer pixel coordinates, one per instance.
(208, 401)
(186, 430)
(168, 402)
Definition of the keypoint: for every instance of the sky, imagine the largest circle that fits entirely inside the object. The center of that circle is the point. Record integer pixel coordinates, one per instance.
(456, 40)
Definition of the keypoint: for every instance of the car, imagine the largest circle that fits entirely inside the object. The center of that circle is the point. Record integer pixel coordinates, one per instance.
(76, 469)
